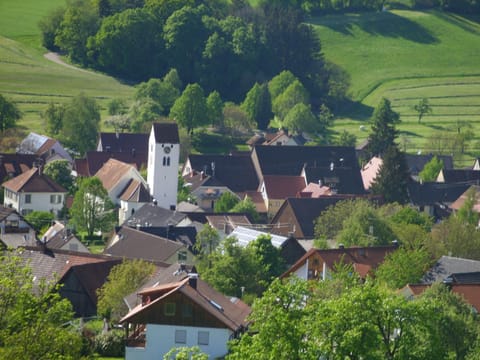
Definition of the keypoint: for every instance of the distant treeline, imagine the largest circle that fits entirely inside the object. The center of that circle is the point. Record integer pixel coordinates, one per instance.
(222, 45)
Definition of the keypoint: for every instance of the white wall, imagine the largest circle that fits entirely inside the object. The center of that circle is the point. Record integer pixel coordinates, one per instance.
(161, 338)
(302, 271)
(39, 202)
(162, 179)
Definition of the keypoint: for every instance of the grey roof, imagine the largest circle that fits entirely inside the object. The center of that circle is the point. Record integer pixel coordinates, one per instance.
(152, 215)
(448, 265)
(346, 180)
(166, 133)
(416, 162)
(31, 143)
(124, 142)
(466, 278)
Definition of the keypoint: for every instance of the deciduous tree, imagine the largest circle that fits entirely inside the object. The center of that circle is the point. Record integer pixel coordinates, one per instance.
(53, 116)
(431, 169)
(258, 105)
(190, 109)
(60, 171)
(226, 202)
(9, 114)
(122, 280)
(422, 108)
(92, 209)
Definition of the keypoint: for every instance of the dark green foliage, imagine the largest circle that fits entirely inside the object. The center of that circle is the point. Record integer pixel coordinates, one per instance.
(258, 105)
(393, 177)
(346, 139)
(202, 140)
(53, 116)
(60, 171)
(422, 108)
(40, 220)
(383, 132)
(110, 344)
(9, 114)
(215, 108)
(246, 206)
(226, 202)
(49, 27)
(80, 123)
(190, 109)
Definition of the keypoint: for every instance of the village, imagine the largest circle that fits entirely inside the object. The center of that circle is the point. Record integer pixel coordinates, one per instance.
(290, 185)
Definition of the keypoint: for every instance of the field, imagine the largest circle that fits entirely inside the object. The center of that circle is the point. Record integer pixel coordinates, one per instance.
(33, 81)
(406, 56)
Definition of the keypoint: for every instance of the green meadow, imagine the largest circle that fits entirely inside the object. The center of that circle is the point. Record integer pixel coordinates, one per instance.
(405, 56)
(33, 81)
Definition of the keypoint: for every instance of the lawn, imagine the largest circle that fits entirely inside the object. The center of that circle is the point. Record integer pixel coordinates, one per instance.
(406, 56)
(33, 81)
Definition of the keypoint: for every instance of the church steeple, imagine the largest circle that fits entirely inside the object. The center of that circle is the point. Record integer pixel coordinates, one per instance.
(163, 161)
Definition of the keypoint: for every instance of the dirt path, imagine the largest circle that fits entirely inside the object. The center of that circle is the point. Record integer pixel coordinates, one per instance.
(55, 57)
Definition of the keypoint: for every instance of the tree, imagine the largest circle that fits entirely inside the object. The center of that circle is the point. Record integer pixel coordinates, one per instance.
(226, 202)
(9, 114)
(393, 177)
(383, 132)
(431, 169)
(40, 220)
(346, 139)
(49, 26)
(60, 171)
(466, 213)
(235, 120)
(53, 116)
(122, 280)
(403, 266)
(30, 315)
(278, 84)
(215, 108)
(190, 109)
(258, 105)
(116, 106)
(173, 79)
(143, 112)
(92, 209)
(422, 108)
(246, 206)
(207, 240)
(300, 118)
(81, 122)
(294, 94)
(162, 92)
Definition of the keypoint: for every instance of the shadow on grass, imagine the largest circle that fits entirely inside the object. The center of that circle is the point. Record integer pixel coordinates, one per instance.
(384, 24)
(435, 127)
(464, 22)
(354, 110)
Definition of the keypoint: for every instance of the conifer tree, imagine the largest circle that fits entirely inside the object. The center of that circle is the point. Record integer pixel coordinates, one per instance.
(393, 177)
(383, 131)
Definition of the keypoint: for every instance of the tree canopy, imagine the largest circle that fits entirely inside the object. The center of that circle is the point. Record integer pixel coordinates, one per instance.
(383, 132)
(190, 109)
(9, 114)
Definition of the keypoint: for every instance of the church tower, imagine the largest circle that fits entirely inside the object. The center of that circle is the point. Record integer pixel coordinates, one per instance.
(163, 159)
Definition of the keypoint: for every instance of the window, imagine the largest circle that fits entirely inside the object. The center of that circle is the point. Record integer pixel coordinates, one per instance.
(203, 337)
(187, 310)
(180, 336)
(55, 199)
(182, 255)
(169, 309)
(28, 198)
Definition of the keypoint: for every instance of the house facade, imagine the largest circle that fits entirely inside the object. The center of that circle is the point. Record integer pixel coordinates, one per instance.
(34, 191)
(14, 230)
(183, 314)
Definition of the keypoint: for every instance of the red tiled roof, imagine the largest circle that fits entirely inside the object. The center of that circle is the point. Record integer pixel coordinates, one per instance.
(46, 146)
(283, 186)
(33, 181)
(469, 292)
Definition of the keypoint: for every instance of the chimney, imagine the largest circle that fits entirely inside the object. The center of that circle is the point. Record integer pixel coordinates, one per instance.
(192, 280)
(133, 152)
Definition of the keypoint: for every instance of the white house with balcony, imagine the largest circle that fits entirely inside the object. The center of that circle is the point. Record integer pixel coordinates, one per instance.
(34, 191)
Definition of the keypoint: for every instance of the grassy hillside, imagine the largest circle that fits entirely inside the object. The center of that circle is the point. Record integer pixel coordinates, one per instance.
(405, 56)
(33, 81)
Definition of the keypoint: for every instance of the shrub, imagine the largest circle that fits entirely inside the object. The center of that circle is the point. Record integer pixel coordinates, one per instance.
(110, 344)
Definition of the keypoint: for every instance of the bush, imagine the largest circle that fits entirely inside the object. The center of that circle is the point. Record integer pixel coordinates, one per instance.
(202, 139)
(110, 344)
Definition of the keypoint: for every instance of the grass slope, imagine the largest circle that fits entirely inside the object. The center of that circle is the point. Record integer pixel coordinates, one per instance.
(33, 81)
(405, 56)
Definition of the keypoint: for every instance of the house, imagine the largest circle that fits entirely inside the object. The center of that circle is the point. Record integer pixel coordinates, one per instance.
(80, 274)
(234, 171)
(43, 147)
(34, 191)
(14, 230)
(205, 189)
(435, 198)
(12, 165)
(224, 223)
(446, 266)
(133, 197)
(123, 142)
(416, 162)
(135, 244)
(457, 204)
(153, 215)
(276, 139)
(58, 236)
(450, 176)
(469, 292)
(297, 216)
(184, 313)
(116, 177)
(319, 263)
(94, 160)
(340, 179)
(163, 164)
(276, 188)
(290, 249)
